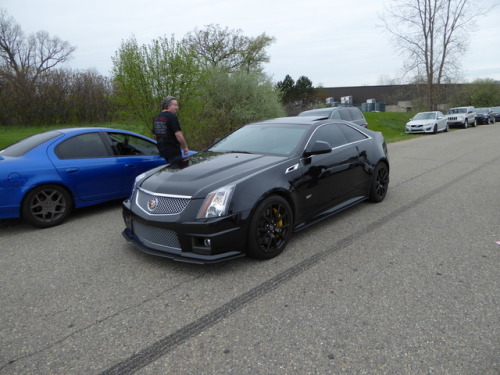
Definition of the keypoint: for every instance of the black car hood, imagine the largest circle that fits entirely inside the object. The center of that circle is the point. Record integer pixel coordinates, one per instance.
(207, 171)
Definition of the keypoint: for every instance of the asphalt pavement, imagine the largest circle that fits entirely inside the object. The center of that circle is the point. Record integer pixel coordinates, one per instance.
(406, 286)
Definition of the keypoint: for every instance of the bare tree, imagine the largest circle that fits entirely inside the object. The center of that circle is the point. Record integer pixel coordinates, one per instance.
(23, 63)
(432, 35)
(228, 49)
(27, 58)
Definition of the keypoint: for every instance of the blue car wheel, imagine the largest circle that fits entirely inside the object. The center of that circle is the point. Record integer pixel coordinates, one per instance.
(46, 206)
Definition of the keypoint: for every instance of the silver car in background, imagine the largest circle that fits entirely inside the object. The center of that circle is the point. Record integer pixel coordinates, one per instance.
(427, 122)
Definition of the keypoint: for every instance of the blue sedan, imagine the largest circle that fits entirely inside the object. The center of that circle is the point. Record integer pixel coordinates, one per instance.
(45, 176)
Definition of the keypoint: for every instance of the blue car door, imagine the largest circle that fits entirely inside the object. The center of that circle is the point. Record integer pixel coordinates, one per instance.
(135, 155)
(86, 165)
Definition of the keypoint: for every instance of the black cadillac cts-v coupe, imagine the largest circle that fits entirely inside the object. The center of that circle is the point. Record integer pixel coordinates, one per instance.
(249, 192)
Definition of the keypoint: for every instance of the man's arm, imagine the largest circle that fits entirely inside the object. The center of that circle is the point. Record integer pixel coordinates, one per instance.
(182, 141)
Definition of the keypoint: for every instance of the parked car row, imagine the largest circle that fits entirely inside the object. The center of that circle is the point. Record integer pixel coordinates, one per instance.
(436, 121)
(244, 195)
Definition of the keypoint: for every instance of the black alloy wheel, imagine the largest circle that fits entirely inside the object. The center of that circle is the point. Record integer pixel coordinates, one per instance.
(46, 206)
(270, 228)
(380, 183)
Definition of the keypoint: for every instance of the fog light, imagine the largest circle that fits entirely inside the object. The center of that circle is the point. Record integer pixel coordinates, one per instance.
(128, 220)
(207, 242)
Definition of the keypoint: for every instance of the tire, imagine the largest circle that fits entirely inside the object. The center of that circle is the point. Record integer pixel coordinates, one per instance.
(435, 130)
(46, 206)
(466, 123)
(270, 228)
(474, 124)
(446, 128)
(379, 184)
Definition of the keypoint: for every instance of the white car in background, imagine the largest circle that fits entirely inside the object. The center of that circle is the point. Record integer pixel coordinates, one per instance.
(427, 122)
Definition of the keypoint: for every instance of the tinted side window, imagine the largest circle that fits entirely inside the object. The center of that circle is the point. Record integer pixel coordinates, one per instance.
(351, 134)
(126, 144)
(329, 133)
(345, 115)
(88, 145)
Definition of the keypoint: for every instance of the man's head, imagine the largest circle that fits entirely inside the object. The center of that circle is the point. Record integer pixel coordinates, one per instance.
(170, 104)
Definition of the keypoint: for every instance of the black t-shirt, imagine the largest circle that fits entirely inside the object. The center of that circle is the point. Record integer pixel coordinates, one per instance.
(165, 125)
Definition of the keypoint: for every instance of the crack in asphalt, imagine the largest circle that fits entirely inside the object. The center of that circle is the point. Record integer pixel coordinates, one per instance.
(165, 345)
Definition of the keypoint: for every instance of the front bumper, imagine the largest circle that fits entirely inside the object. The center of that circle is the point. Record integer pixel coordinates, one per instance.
(202, 242)
(415, 129)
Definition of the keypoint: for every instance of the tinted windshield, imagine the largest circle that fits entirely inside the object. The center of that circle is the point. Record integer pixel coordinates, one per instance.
(263, 139)
(458, 110)
(425, 116)
(27, 144)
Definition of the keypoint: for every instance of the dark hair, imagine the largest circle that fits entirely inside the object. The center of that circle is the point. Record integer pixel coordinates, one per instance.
(167, 101)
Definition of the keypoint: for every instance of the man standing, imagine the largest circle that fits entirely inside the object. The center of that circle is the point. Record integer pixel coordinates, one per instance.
(167, 131)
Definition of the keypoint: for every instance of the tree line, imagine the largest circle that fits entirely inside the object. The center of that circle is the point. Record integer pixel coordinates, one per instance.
(215, 73)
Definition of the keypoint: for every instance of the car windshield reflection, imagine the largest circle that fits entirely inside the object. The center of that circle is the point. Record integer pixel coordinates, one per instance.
(262, 139)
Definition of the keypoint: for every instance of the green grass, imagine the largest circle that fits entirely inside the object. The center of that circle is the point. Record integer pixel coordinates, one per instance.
(390, 124)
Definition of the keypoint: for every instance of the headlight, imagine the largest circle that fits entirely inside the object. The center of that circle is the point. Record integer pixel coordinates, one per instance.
(217, 202)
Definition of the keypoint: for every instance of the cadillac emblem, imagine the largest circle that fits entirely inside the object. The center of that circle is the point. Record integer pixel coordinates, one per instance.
(152, 203)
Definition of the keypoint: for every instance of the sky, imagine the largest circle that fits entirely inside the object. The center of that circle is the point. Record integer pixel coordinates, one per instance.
(334, 43)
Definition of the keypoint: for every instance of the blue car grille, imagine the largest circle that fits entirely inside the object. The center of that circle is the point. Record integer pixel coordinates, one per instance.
(156, 238)
(161, 204)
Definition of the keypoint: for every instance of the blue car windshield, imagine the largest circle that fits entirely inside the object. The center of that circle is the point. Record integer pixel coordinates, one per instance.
(263, 139)
(24, 145)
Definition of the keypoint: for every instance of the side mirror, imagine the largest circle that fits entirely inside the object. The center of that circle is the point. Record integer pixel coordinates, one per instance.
(318, 147)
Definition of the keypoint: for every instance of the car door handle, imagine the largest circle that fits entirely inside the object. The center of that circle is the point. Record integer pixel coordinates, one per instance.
(72, 170)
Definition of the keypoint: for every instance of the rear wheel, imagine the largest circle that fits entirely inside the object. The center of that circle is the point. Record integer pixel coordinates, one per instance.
(380, 183)
(270, 228)
(46, 206)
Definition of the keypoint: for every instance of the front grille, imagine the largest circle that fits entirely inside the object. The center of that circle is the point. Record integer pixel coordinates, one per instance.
(161, 204)
(156, 238)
